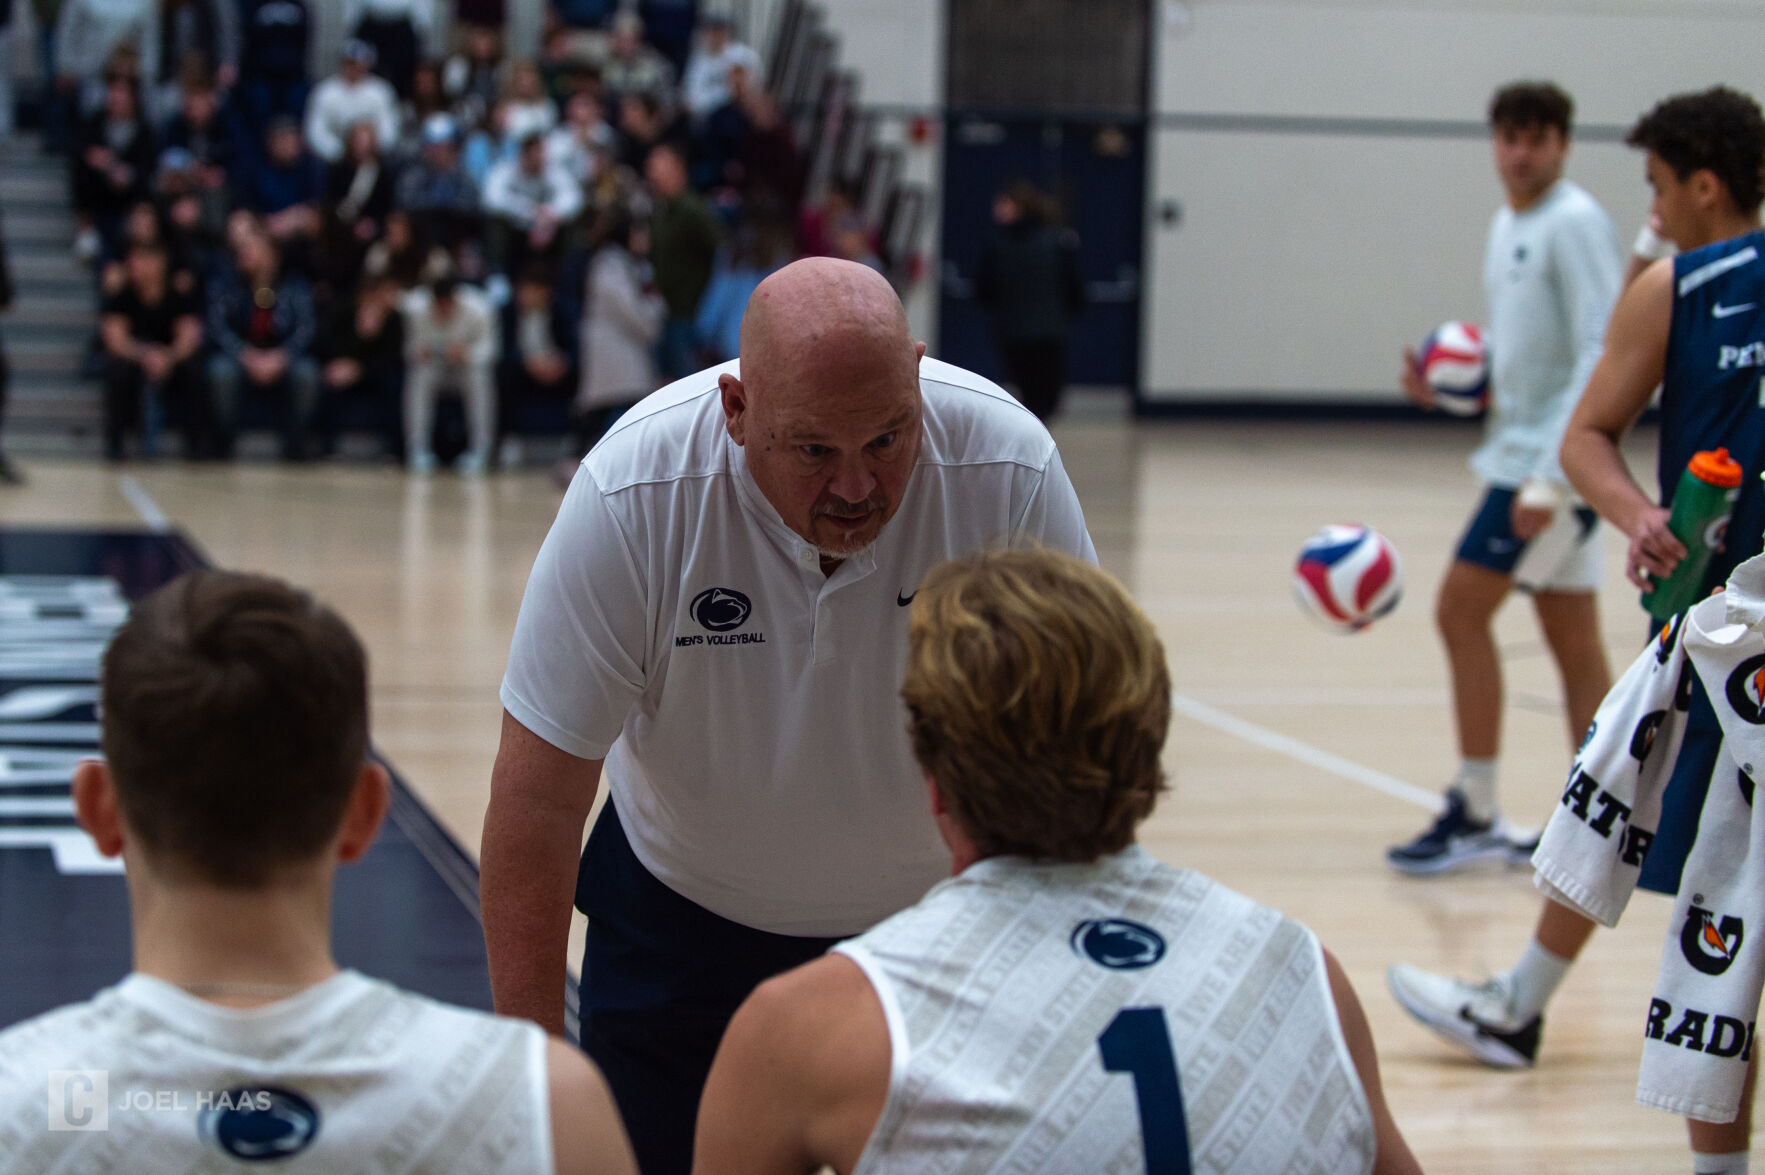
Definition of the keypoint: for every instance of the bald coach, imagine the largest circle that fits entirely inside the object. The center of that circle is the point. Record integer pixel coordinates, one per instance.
(717, 622)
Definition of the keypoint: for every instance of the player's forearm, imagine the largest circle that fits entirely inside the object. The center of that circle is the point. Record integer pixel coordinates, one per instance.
(1596, 469)
(527, 881)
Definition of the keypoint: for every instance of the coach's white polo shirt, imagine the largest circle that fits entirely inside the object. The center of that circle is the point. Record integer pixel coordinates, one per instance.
(746, 704)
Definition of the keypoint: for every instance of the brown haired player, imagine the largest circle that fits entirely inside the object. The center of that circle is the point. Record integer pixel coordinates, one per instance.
(1064, 1000)
(236, 778)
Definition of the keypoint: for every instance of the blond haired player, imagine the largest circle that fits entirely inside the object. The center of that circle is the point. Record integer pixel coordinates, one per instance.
(1064, 1002)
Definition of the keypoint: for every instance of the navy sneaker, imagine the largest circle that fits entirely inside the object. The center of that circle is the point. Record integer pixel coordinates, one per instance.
(1453, 841)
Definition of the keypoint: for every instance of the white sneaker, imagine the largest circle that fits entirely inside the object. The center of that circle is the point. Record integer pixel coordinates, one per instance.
(470, 465)
(1474, 1016)
(422, 464)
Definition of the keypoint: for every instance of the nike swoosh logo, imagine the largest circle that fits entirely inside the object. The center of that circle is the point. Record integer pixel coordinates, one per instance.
(905, 600)
(1721, 311)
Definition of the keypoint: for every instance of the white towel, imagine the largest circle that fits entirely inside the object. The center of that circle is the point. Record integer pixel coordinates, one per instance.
(1592, 849)
(1699, 1032)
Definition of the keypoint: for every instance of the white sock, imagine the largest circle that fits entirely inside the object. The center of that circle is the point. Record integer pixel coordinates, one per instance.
(1731, 1164)
(1534, 980)
(1476, 778)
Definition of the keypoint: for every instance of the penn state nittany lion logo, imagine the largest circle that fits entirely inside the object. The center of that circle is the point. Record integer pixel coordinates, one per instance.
(1710, 945)
(1117, 943)
(259, 1124)
(721, 609)
(1746, 690)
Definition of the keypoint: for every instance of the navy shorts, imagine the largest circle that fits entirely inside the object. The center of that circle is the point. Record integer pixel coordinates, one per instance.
(661, 977)
(1571, 563)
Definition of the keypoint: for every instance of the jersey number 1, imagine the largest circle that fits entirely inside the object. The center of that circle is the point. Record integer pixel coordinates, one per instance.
(1138, 1042)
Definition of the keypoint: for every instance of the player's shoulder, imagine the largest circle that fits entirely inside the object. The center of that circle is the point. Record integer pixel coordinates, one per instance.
(1570, 199)
(1696, 267)
(676, 432)
(69, 1037)
(970, 420)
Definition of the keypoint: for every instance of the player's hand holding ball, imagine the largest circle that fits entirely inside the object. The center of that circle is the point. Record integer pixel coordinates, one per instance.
(1451, 370)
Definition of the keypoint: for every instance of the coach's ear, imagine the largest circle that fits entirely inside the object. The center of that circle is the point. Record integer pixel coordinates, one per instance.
(735, 407)
(95, 806)
(368, 805)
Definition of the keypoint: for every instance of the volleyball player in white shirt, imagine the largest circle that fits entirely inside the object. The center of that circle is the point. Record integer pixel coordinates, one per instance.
(1551, 273)
(1065, 1002)
(719, 615)
(235, 780)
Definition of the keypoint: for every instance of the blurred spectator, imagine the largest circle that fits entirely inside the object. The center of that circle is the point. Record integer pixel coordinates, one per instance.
(428, 96)
(767, 156)
(398, 255)
(683, 249)
(436, 190)
(644, 124)
(362, 348)
(88, 34)
(705, 85)
(451, 342)
(616, 191)
(358, 195)
(528, 200)
(396, 29)
(472, 78)
(200, 126)
(273, 65)
(193, 216)
(1028, 282)
(284, 187)
(144, 226)
(819, 224)
(201, 34)
(262, 325)
(113, 168)
(620, 329)
(573, 145)
(471, 15)
(761, 244)
(55, 95)
(525, 106)
(631, 66)
(569, 61)
(537, 360)
(668, 26)
(583, 14)
(151, 333)
(350, 96)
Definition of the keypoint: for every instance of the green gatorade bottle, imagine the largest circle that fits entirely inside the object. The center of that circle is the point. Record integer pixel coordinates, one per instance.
(1701, 508)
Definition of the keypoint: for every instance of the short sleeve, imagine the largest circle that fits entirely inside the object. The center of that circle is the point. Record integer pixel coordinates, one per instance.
(577, 661)
(1052, 516)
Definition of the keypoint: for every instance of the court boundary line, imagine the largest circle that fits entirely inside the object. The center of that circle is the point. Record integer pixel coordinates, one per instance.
(1302, 752)
(137, 496)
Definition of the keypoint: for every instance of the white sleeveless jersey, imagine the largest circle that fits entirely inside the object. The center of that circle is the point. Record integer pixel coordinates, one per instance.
(350, 1076)
(1118, 1017)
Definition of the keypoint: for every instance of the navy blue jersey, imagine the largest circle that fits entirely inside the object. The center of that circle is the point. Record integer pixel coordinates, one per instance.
(1713, 393)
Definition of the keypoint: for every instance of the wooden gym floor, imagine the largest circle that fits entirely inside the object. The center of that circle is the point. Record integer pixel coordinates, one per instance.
(1296, 755)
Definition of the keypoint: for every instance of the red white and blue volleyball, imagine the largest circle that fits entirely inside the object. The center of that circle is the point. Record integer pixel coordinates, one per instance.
(1454, 362)
(1347, 577)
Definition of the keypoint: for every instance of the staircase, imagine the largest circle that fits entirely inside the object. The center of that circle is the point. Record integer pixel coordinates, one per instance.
(52, 409)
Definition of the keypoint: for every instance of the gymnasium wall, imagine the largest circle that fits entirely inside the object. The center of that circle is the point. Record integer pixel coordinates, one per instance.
(1331, 181)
